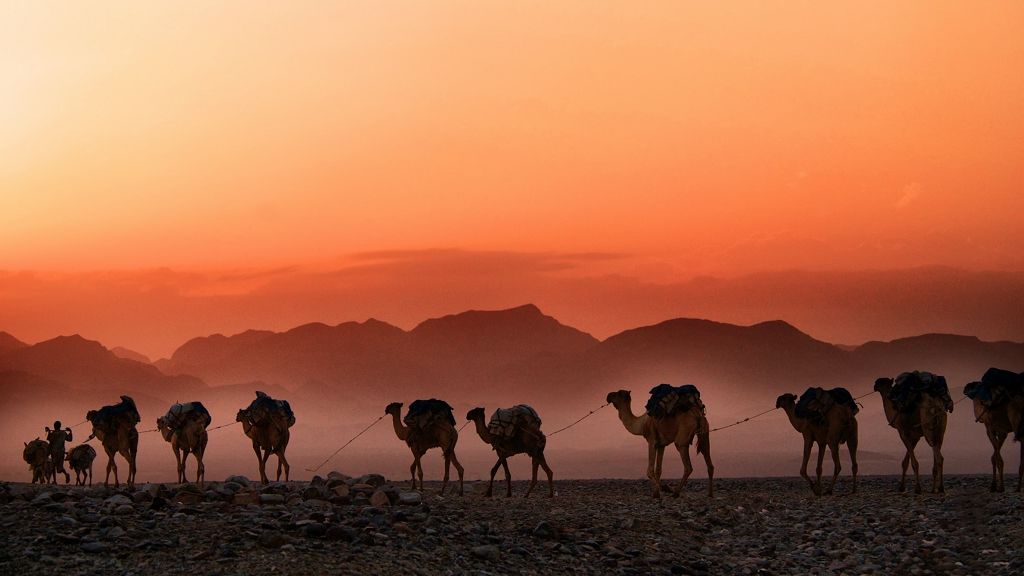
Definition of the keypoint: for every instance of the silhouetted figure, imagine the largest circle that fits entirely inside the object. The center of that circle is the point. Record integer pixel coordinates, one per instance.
(57, 437)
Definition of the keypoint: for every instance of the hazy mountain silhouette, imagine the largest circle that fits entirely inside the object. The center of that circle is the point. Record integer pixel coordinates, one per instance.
(127, 354)
(84, 364)
(8, 343)
(522, 353)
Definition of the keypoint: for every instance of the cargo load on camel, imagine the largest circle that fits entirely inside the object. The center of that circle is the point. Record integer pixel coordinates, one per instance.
(182, 413)
(507, 422)
(424, 413)
(997, 387)
(667, 400)
(809, 404)
(109, 418)
(263, 408)
(909, 386)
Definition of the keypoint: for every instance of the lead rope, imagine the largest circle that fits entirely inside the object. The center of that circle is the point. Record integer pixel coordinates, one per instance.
(588, 415)
(343, 446)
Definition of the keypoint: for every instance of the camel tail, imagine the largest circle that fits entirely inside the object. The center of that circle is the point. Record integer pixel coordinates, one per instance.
(703, 436)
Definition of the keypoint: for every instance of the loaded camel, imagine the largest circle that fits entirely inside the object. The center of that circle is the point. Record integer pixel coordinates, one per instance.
(428, 424)
(115, 427)
(37, 456)
(999, 405)
(518, 433)
(184, 426)
(266, 422)
(679, 428)
(922, 415)
(826, 418)
(80, 458)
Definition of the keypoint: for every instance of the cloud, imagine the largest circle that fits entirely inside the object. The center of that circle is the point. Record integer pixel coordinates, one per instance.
(908, 195)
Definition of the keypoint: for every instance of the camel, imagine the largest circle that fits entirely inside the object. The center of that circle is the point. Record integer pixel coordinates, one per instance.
(184, 426)
(266, 422)
(679, 429)
(438, 432)
(523, 440)
(80, 458)
(115, 428)
(1002, 413)
(37, 456)
(838, 425)
(927, 420)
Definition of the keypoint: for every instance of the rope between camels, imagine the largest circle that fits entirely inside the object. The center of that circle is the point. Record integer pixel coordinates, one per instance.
(224, 426)
(588, 415)
(742, 421)
(343, 446)
(463, 427)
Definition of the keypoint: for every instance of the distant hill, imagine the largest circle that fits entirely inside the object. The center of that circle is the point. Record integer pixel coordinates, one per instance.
(522, 354)
(82, 364)
(8, 343)
(122, 352)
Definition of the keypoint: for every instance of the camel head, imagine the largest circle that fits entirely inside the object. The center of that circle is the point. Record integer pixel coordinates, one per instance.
(91, 416)
(394, 409)
(165, 430)
(619, 398)
(785, 400)
(474, 414)
(242, 416)
(971, 389)
(883, 385)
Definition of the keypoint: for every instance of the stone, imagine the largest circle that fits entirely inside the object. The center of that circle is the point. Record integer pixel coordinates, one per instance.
(380, 499)
(118, 499)
(544, 530)
(93, 547)
(244, 498)
(271, 499)
(410, 498)
(374, 480)
(342, 490)
(237, 479)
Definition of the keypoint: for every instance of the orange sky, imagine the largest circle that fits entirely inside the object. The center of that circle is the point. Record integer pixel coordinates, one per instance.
(687, 138)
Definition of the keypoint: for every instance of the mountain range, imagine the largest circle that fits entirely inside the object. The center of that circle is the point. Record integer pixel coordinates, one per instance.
(498, 356)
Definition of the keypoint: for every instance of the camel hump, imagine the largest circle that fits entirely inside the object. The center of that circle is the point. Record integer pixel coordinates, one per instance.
(843, 397)
(997, 387)
(424, 413)
(109, 418)
(910, 387)
(266, 409)
(507, 422)
(668, 400)
(182, 413)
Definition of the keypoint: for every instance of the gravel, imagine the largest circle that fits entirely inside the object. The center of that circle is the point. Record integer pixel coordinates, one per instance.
(751, 526)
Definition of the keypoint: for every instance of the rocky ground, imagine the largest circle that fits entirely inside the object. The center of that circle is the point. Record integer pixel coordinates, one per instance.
(342, 525)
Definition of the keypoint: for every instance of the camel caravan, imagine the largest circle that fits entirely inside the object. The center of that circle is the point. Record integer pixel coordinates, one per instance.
(915, 404)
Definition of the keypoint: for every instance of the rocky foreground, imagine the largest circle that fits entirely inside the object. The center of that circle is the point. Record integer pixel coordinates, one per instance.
(342, 525)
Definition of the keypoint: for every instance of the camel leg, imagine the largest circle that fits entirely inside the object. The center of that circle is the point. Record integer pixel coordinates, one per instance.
(903, 476)
(447, 470)
(264, 457)
(533, 477)
(182, 456)
(412, 472)
(494, 471)
(419, 473)
(1020, 471)
(508, 478)
(652, 455)
(851, 445)
(808, 443)
(684, 453)
(658, 464)
(821, 462)
(938, 486)
(997, 460)
(282, 461)
(917, 472)
(833, 448)
(711, 469)
(460, 471)
(551, 476)
(200, 469)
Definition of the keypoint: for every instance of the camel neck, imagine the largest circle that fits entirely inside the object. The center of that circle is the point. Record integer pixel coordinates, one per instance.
(400, 429)
(634, 424)
(798, 423)
(890, 411)
(481, 430)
